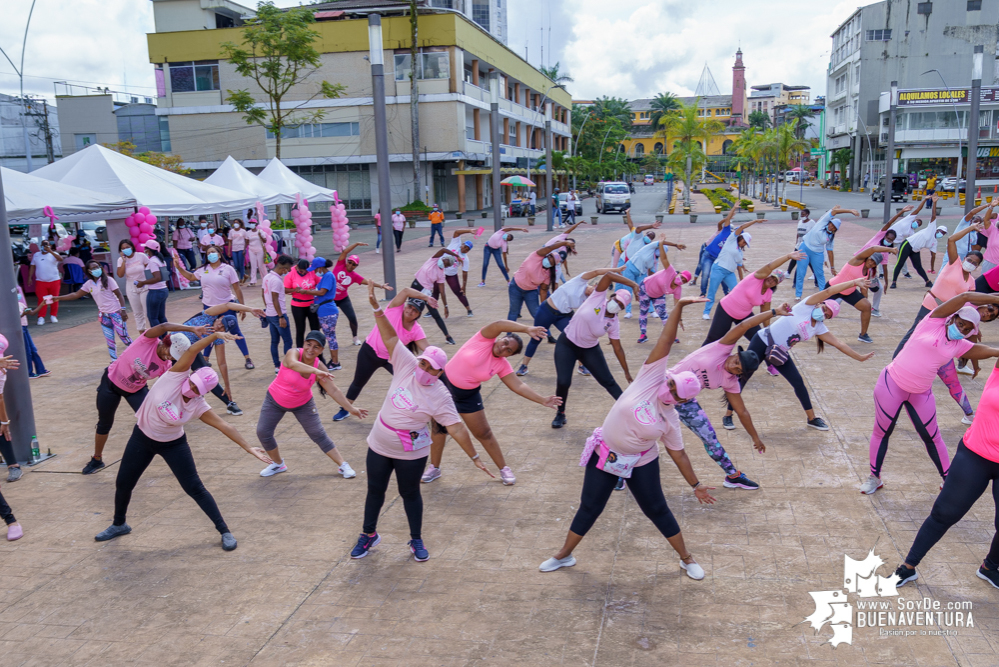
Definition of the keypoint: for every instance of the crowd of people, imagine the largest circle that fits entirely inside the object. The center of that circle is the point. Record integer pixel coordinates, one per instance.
(433, 395)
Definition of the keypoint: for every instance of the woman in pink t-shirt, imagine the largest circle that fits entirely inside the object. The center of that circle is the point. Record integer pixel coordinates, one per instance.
(255, 240)
(291, 391)
(429, 277)
(653, 290)
(862, 265)
(237, 248)
(132, 265)
(110, 305)
(147, 358)
(478, 360)
(536, 269)
(416, 403)
(908, 380)
(626, 448)
(176, 398)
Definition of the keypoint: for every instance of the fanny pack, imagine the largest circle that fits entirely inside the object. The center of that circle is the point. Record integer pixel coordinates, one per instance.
(316, 304)
(608, 460)
(775, 355)
(411, 440)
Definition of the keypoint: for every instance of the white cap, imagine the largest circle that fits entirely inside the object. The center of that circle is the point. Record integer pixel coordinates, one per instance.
(747, 237)
(178, 345)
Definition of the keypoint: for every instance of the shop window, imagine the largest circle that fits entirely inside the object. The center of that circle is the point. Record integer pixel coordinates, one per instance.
(194, 76)
(924, 8)
(432, 66)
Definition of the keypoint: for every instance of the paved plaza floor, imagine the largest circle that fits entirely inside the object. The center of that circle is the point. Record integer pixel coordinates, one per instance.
(290, 595)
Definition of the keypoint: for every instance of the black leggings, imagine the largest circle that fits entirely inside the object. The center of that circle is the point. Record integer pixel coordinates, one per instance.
(398, 238)
(407, 476)
(7, 451)
(8, 456)
(923, 312)
(368, 362)
(905, 253)
(722, 323)
(300, 313)
(139, 453)
(433, 311)
(645, 486)
(968, 477)
(347, 308)
(200, 362)
(566, 355)
(982, 285)
(109, 397)
(788, 371)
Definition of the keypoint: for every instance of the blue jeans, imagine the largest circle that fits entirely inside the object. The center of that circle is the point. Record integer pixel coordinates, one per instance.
(187, 254)
(239, 262)
(437, 228)
(704, 267)
(35, 365)
(547, 317)
(497, 254)
(631, 273)
(156, 306)
(378, 241)
(814, 261)
(277, 332)
(519, 297)
(534, 209)
(720, 277)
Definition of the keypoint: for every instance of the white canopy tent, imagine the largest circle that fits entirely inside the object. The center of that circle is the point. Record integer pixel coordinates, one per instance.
(290, 183)
(234, 176)
(165, 193)
(25, 195)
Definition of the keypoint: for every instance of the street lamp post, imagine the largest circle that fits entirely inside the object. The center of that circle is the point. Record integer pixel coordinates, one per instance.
(548, 165)
(957, 116)
(20, 75)
(494, 130)
(890, 152)
(376, 56)
(973, 131)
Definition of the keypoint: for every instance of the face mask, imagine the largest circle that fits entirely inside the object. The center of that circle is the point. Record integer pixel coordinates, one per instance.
(968, 266)
(954, 333)
(127, 252)
(915, 225)
(211, 231)
(96, 273)
(236, 226)
(547, 263)
(204, 224)
(508, 237)
(613, 307)
(252, 225)
(440, 263)
(425, 378)
(187, 392)
(818, 314)
(213, 257)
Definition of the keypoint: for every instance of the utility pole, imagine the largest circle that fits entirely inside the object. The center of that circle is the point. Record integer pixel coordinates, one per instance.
(973, 131)
(414, 94)
(494, 131)
(552, 203)
(42, 122)
(890, 152)
(376, 55)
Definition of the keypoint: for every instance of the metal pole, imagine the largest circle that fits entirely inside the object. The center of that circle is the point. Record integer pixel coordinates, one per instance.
(957, 116)
(18, 395)
(494, 130)
(890, 152)
(548, 166)
(973, 130)
(377, 58)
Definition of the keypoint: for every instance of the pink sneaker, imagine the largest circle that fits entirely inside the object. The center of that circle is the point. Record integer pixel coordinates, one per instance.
(14, 532)
(772, 370)
(507, 476)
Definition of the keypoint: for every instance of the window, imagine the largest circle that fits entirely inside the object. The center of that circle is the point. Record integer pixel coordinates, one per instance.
(726, 146)
(878, 35)
(974, 5)
(84, 140)
(317, 130)
(480, 13)
(639, 150)
(434, 66)
(164, 124)
(658, 148)
(194, 76)
(924, 8)
(222, 21)
(840, 83)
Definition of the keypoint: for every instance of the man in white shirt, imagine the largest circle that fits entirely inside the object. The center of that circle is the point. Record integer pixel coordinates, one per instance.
(44, 272)
(534, 202)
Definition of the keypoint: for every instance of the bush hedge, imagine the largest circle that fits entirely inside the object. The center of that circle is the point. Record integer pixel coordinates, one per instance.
(718, 197)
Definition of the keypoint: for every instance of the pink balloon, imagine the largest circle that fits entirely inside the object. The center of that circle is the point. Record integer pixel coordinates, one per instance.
(146, 228)
(142, 238)
(150, 219)
(144, 210)
(134, 232)
(130, 222)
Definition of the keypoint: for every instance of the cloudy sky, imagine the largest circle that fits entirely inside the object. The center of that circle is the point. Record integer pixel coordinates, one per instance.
(634, 49)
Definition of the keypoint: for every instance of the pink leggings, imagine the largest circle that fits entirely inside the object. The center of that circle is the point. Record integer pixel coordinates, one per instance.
(948, 373)
(922, 408)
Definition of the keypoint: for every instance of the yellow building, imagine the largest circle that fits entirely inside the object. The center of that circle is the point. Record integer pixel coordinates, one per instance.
(643, 139)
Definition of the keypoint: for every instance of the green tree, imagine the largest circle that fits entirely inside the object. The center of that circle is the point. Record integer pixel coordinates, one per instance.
(685, 134)
(277, 54)
(759, 119)
(555, 75)
(842, 159)
(174, 163)
(651, 164)
(749, 150)
(606, 108)
(661, 105)
(785, 146)
(800, 113)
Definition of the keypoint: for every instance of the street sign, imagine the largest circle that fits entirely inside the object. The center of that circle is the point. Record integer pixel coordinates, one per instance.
(817, 152)
(962, 96)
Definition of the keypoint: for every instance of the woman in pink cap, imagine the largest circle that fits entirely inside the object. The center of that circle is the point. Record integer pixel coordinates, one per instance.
(865, 264)
(627, 447)
(110, 305)
(908, 380)
(581, 342)
(176, 398)
(400, 438)
(14, 530)
(653, 290)
(155, 284)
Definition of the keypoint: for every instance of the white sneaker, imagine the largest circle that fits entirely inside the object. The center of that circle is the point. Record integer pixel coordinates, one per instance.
(357, 341)
(430, 474)
(41, 321)
(378, 251)
(54, 319)
(871, 485)
(705, 316)
(347, 471)
(968, 419)
(273, 469)
(875, 313)
(553, 564)
(966, 370)
(627, 316)
(694, 571)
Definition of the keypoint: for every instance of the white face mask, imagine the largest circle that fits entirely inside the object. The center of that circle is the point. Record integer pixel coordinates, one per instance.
(613, 307)
(968, 266)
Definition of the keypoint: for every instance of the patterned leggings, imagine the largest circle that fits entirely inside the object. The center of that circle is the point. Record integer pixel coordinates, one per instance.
(693, 417)
(644, 300)
(111, 324)
(948, 373)
(889, 399)
(328, 324)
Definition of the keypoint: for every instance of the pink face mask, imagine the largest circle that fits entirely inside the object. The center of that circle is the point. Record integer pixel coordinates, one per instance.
(425, 378)
(187, 391)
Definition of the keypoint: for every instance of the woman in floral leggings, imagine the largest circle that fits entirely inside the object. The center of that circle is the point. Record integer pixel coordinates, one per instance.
(109, 302)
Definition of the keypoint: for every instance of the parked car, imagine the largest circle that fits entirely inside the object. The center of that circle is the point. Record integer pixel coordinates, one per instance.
(948, 183)
(649, 179)
(563, 203)
(613, 197)
(899, 189)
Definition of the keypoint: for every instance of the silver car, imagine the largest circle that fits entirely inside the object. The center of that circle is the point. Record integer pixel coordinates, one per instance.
(613, 197)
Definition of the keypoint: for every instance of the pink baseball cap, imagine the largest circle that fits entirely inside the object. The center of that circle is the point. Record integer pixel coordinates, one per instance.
(205, 380)
(970, 314)
(624, 296)
(355, 259)
(686, 275)
(832, 305)
(687, 387)
(154, 245)
(3, 344)
(435, 356)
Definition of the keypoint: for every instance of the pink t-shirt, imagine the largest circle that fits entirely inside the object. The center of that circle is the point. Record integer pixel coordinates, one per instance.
(182, 239)
(106, 299)
(344, 279)
(983, 436)
(409, 406)
(211, 240)
(663, 282)
(474, 363)
(164, 411)
(406, 336)
(138, 364)
(289, 389)
(739, 303)
(590, 323)
(216, 284)
(991, 252)
(531, 273)
(135, 266)
(708, 364)
(878, 239)
(497, 240)
(846, 274)
(638, 421)
(430, 273)
(238, 239)
(154, 265)
(253, 240)
(293, 279)
(274, 283)
(398, 221)
(927, 350)
(23, 307)
(950, 282)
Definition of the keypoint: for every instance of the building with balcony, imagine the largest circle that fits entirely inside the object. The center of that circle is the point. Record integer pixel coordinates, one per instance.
(457, 57)
(770, 97)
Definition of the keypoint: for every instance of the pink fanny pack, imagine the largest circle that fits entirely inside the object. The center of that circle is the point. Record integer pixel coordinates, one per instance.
(411, 440)
(608, 460)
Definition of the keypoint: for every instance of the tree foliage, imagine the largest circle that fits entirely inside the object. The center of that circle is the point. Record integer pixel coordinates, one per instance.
(555, 75)
(759, 119)
(801, 113)
(686, 134)
(661, 105)
(174, 163)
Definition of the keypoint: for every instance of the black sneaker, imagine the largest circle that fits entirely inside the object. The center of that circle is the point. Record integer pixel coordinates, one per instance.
(551, 340)
(233, 409)
(905, 575)
(333, 366)
(93, 466)
(991, 576)
(364, 544)
(450, 341)
(893, 286)
(864, 338)
(620, 484)
(522, 371)
(818, 424)
(929, 284)
(559, 420)
(728, 423)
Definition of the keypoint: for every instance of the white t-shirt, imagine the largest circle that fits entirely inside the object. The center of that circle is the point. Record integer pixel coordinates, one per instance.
(455, 246)
(804, 226)
(924, 239)
(534, 198)
(570, 296)
(46, 267)
(273, 282)
(903, 229)
(796, 327)
(645, 259)
(730, 255)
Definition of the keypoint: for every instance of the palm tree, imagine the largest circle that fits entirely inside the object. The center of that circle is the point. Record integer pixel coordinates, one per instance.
(556, 76)
(759, 119)
(785, 147)
(684, 131)
(748, 151)
(662, 104)
(606, 108)
(800, 113)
